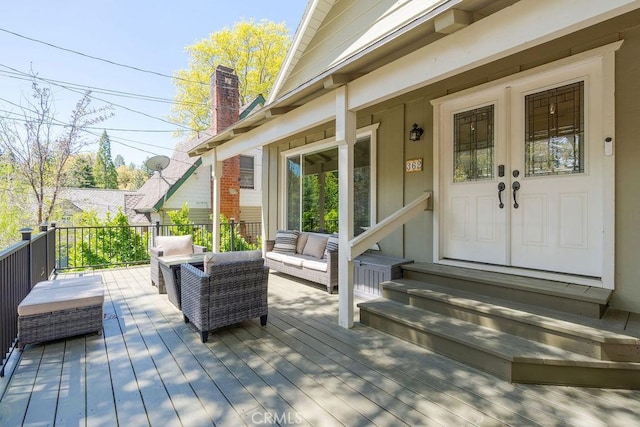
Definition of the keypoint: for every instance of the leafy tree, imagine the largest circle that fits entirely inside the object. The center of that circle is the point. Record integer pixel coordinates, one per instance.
(254, 50)
(40, 147)
(14, 211)
(131, 178)
(104, 169)
(118, 161)
(81, 172)
(109, 243)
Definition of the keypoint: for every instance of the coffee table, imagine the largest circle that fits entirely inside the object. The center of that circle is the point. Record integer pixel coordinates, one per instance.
(170, 268)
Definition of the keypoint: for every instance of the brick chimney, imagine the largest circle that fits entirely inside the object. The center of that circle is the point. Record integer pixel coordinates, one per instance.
(225, 111)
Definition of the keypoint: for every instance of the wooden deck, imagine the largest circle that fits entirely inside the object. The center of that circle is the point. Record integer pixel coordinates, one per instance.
(150, 368)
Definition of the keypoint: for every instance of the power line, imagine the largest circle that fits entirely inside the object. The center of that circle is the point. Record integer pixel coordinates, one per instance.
(98, 58)
(27, 77)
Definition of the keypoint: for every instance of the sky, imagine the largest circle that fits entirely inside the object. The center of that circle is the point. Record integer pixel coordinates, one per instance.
(148, 35)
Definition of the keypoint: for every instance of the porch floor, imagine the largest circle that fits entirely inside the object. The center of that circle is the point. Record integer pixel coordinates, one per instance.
(150, 368)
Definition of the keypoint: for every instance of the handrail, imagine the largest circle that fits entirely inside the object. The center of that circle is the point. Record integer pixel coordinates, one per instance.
(373, 235)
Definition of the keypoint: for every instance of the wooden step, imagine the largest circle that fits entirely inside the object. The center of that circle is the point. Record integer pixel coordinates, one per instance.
(577, 299)
(544, 326)
(507, 356)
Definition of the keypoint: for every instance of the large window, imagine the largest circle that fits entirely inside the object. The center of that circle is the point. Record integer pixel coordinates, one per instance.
(312, 187)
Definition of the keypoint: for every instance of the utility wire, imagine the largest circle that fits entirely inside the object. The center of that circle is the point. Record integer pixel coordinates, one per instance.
(19, 75)
(104, 100)
(99, 59)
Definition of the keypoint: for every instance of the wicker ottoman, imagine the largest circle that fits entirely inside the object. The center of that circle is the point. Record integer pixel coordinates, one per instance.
(63, 308)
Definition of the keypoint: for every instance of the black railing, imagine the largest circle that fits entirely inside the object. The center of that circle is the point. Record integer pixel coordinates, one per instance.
(80, 248)
(22, 265)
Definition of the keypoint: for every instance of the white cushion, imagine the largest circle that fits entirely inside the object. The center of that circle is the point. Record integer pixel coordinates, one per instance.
(314, 264)
(213, 258)
(42, 300)
(315, 245)
(276, 256)
(294, 260)
(175, 245)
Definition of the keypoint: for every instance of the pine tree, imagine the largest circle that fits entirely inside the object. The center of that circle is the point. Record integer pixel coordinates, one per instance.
(81, 172)
(104, 170)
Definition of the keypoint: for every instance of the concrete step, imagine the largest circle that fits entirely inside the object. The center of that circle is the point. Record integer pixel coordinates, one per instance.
(571, 333)
(571, 298)
(507, 356)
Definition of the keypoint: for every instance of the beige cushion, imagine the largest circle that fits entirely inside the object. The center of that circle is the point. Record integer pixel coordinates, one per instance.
(73, 281)
(44, 300)
(213, 258)
(302, 240)
(276, 256)
(175, 245)
(315, 245)
(293, 260)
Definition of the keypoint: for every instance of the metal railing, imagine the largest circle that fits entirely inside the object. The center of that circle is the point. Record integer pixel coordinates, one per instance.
(22, 265)
(79, 248)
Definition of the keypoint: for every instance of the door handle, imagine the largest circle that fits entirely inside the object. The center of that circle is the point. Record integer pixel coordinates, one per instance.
(501, 188)
(515, 186)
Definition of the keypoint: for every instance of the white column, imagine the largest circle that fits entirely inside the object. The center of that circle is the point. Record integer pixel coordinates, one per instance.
(216, 174)
(346, 139)
(266, 204)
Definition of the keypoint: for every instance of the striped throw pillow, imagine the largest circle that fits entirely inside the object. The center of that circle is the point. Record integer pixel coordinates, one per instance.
(332, 246)
(286, 241)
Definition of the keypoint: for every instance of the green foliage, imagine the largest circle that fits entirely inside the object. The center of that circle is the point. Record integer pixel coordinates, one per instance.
(254, 50)
(15, 213)
(239, 242)
(80, 173)
(104, 170)
(109, 243)
(183, 226)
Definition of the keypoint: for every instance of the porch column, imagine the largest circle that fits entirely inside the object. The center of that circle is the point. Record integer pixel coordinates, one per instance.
(346, 139)
(216, 175)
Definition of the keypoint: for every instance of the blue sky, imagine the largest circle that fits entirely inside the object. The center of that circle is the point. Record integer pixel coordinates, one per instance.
(146, 34)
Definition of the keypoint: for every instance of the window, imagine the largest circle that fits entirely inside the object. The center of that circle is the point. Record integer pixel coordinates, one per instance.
(246, 172)
(473, 145)
(554, 131)
(312, 187)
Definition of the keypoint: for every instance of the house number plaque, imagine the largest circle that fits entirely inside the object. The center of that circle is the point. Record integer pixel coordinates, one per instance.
(413, 165)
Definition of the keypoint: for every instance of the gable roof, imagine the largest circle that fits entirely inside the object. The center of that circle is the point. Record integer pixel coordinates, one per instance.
(160, 186)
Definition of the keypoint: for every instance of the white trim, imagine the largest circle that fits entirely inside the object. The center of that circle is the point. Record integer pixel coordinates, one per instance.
(605, 57)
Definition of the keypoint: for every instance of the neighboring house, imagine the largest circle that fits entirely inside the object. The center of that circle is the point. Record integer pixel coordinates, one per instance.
(100, 201)
(541, 96)
(188, 179)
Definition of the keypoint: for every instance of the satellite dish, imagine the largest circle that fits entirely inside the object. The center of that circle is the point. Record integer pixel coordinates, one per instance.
(157, 163)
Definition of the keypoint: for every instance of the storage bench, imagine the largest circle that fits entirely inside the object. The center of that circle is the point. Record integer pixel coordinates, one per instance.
(63, 308)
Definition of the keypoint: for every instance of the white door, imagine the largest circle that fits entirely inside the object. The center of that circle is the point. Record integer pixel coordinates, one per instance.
(522, 174)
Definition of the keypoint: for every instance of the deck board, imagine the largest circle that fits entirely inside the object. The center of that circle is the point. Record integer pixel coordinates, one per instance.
(150, 368)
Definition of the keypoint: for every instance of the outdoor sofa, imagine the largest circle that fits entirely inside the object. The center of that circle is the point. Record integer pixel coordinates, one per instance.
(307, 255)
(167, 246)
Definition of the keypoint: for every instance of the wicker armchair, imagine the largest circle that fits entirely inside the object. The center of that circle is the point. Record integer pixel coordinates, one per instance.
(165, 246)
(225, 293)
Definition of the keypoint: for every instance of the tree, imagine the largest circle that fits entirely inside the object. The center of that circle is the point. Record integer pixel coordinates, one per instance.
(118, 161)
(13, 205)
(81, 172)
(104, 169)
(254, 50)
(40, 150)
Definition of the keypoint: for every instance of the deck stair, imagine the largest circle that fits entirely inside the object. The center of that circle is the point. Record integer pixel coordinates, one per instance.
(516, 341)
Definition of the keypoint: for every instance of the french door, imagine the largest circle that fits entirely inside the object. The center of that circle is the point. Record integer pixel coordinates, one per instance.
(521, 174)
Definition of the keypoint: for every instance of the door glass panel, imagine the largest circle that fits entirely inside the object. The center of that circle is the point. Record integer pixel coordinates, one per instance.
(554, 131)
(473, 145)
